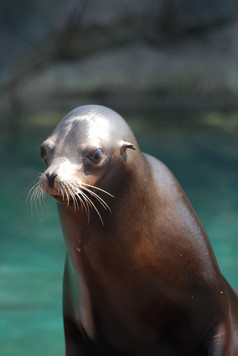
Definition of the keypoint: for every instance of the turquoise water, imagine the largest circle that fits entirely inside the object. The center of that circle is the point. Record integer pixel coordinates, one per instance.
(202, 151)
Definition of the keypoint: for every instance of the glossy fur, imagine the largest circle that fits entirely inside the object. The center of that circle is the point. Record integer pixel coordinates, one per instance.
(140, 275)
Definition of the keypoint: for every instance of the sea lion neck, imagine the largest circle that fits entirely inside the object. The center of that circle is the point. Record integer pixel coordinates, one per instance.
(123, 197)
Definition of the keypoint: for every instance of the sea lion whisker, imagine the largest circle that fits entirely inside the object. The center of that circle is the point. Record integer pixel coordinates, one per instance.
(83, 203)
(77, 199)
(32, 197)
(76, 191)
(61, 189)
(82, 197)
(31, 191)
(94, 187)
(67, 192)
(99, 199)
(72, 195)
(71, 192)
(36, 195)
(41, 197)
(93, 206)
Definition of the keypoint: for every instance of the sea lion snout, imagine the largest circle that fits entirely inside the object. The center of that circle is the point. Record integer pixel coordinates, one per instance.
(60, 172)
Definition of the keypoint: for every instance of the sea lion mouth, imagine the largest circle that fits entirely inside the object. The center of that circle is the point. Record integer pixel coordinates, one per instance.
(82, 195)
(59, 198)
(67, 201)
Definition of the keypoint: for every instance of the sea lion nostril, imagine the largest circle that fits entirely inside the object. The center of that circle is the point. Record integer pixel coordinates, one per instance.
(51, 178)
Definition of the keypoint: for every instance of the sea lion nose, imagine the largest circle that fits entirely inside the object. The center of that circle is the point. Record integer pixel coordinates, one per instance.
(51, 178)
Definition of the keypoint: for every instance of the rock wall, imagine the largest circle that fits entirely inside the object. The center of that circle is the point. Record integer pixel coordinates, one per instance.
(132, 54)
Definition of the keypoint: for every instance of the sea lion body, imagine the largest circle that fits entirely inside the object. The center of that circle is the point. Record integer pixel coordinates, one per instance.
(140, 278)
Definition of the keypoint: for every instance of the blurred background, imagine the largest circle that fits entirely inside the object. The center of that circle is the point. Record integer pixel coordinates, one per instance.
(170, 67)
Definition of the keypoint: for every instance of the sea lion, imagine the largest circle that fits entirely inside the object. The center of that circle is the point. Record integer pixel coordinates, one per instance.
(140, 274)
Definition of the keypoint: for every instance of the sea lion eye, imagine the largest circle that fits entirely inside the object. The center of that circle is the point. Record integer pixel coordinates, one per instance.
(97, 155)
(42, 152)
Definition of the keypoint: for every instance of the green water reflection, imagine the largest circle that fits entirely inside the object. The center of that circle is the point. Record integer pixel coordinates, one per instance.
(201, 151)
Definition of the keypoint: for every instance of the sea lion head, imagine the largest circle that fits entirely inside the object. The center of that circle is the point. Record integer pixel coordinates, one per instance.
(87, 146)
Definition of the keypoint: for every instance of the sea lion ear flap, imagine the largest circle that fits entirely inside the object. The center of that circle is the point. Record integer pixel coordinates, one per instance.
(125, 145)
